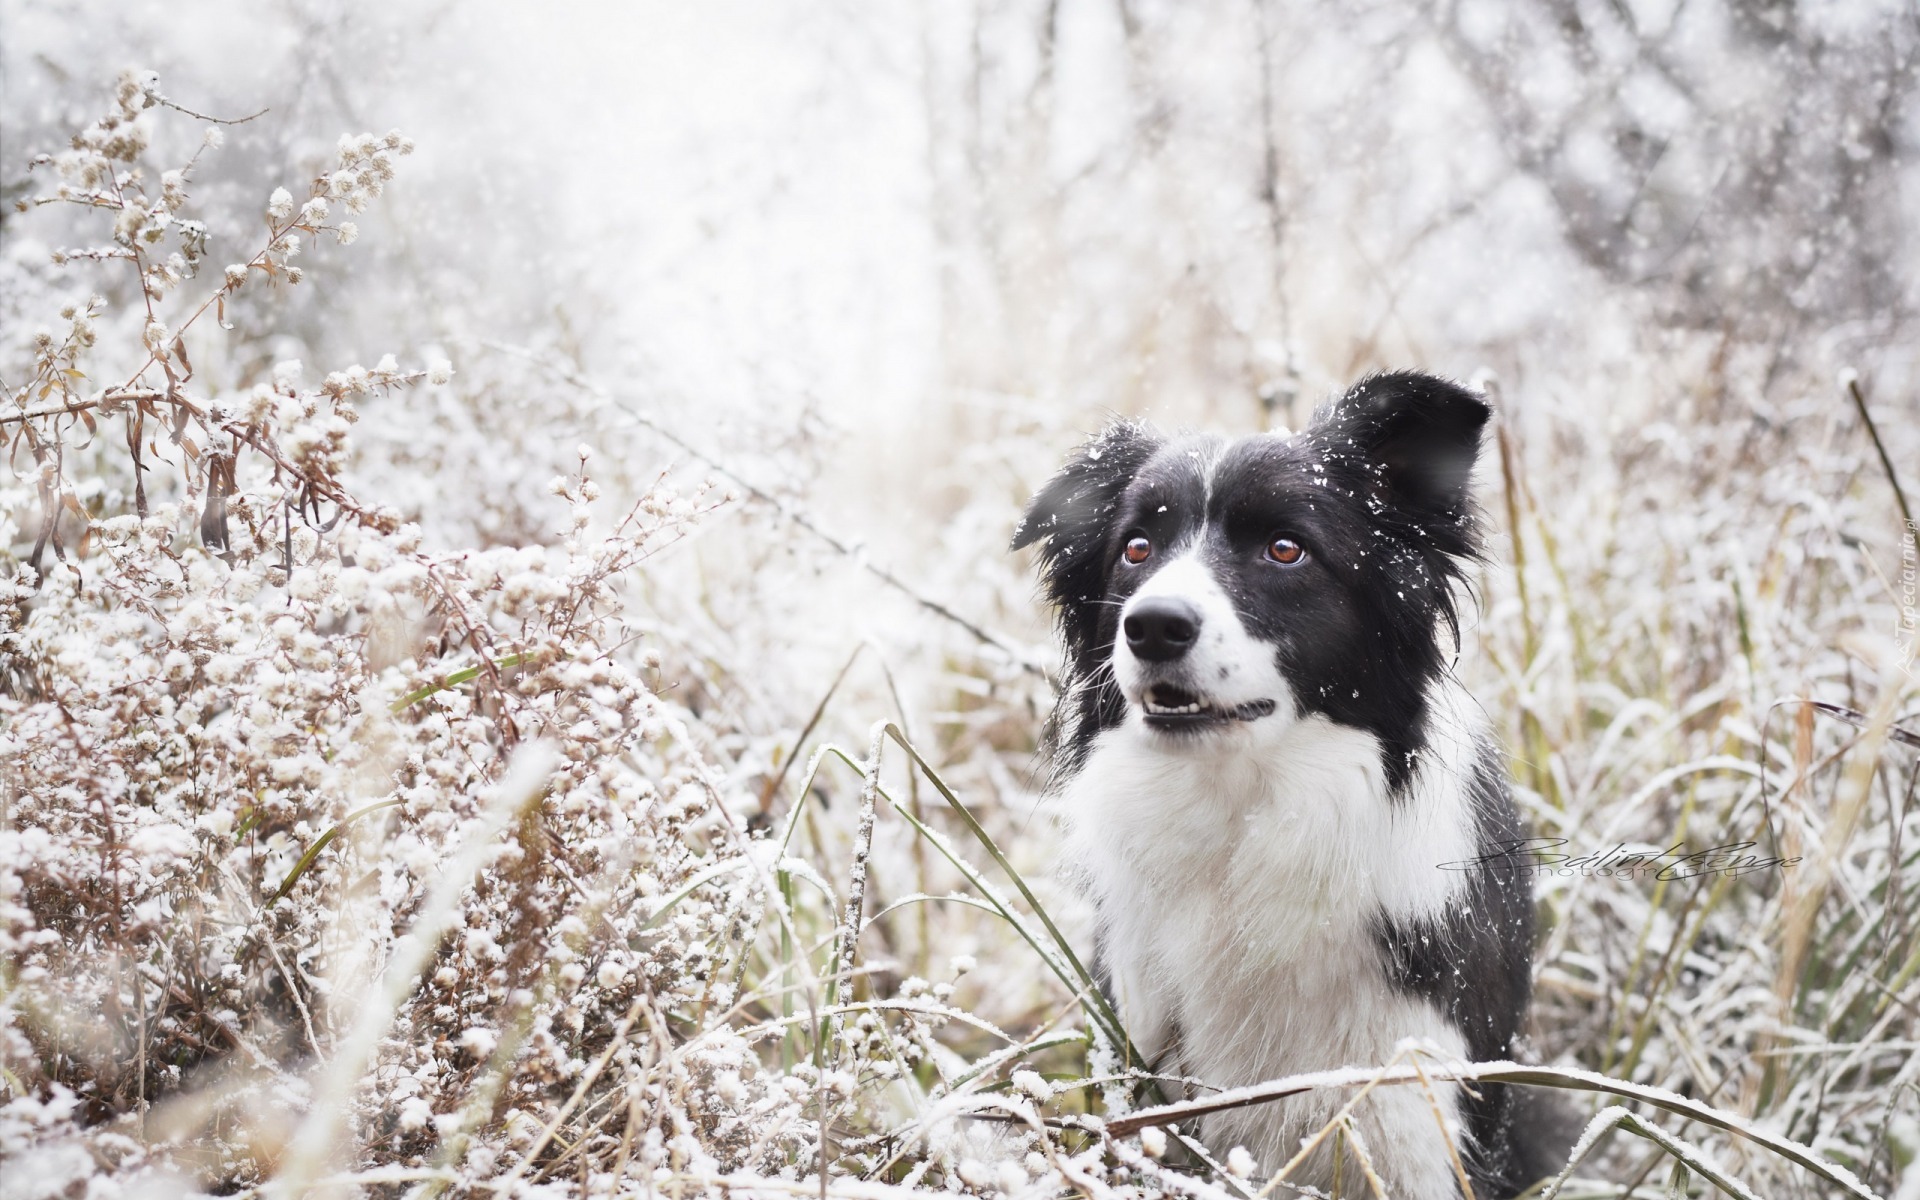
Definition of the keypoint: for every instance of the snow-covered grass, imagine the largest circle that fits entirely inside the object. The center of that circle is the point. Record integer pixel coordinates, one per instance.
(372, 823)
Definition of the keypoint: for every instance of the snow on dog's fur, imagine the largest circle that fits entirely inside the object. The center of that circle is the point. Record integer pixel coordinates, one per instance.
(1266, 770)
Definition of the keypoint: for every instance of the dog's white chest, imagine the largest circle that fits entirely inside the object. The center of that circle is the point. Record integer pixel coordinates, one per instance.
(1237, 895)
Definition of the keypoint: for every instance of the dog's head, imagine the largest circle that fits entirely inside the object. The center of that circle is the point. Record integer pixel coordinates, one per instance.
(1212, 590)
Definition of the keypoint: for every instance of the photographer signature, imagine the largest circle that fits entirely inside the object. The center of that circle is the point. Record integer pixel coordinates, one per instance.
(1548, 856)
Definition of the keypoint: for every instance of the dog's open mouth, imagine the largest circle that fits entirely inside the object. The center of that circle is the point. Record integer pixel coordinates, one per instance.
(1170, 707)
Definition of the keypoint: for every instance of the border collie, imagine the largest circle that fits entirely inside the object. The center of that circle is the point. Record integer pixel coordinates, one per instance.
(1262, 760)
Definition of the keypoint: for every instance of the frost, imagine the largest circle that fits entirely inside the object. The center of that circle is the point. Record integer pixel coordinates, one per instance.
(480, 1041)
(255, 686)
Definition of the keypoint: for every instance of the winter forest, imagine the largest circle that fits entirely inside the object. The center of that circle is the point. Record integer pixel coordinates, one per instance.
(512, 678)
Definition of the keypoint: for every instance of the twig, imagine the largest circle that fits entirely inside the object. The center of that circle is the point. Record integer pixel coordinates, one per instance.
(794, 517)
(850, 551)
(862, 855)
(157, 98)
(1498, 1072)
(1270, 396)
(1860, 720)
(65, 408)
(1886, 463)
(772, 789)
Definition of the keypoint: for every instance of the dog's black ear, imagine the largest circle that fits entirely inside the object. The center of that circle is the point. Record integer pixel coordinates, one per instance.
(1419, 436)
(1069, 519)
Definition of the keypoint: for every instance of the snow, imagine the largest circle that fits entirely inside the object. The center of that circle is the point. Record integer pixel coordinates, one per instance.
(721, 278)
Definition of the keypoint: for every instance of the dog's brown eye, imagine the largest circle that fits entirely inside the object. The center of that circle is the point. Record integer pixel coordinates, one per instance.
(1138, 550)
(1286, 551)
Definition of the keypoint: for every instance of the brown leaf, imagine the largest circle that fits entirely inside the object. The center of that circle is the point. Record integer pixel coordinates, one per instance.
(214, 534)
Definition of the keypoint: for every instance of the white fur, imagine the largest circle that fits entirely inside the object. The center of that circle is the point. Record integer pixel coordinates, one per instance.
(1236, 873)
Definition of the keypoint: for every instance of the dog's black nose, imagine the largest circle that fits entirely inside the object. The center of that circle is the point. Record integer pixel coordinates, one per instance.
(1161, 629)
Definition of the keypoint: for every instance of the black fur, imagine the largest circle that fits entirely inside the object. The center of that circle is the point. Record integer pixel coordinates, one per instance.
(1474, 965)
(1071, 518)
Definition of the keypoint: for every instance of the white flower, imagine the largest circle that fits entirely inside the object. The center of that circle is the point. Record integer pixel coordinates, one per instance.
(416, 1112)
(280, 204)
(974, 1173)
(1239, 1162)
(480, 1041)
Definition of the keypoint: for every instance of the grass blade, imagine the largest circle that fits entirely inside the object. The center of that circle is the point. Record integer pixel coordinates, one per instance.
(320, 843)
(463, 675)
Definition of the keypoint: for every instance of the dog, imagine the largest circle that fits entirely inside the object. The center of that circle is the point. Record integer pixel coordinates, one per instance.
(1265, 765)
